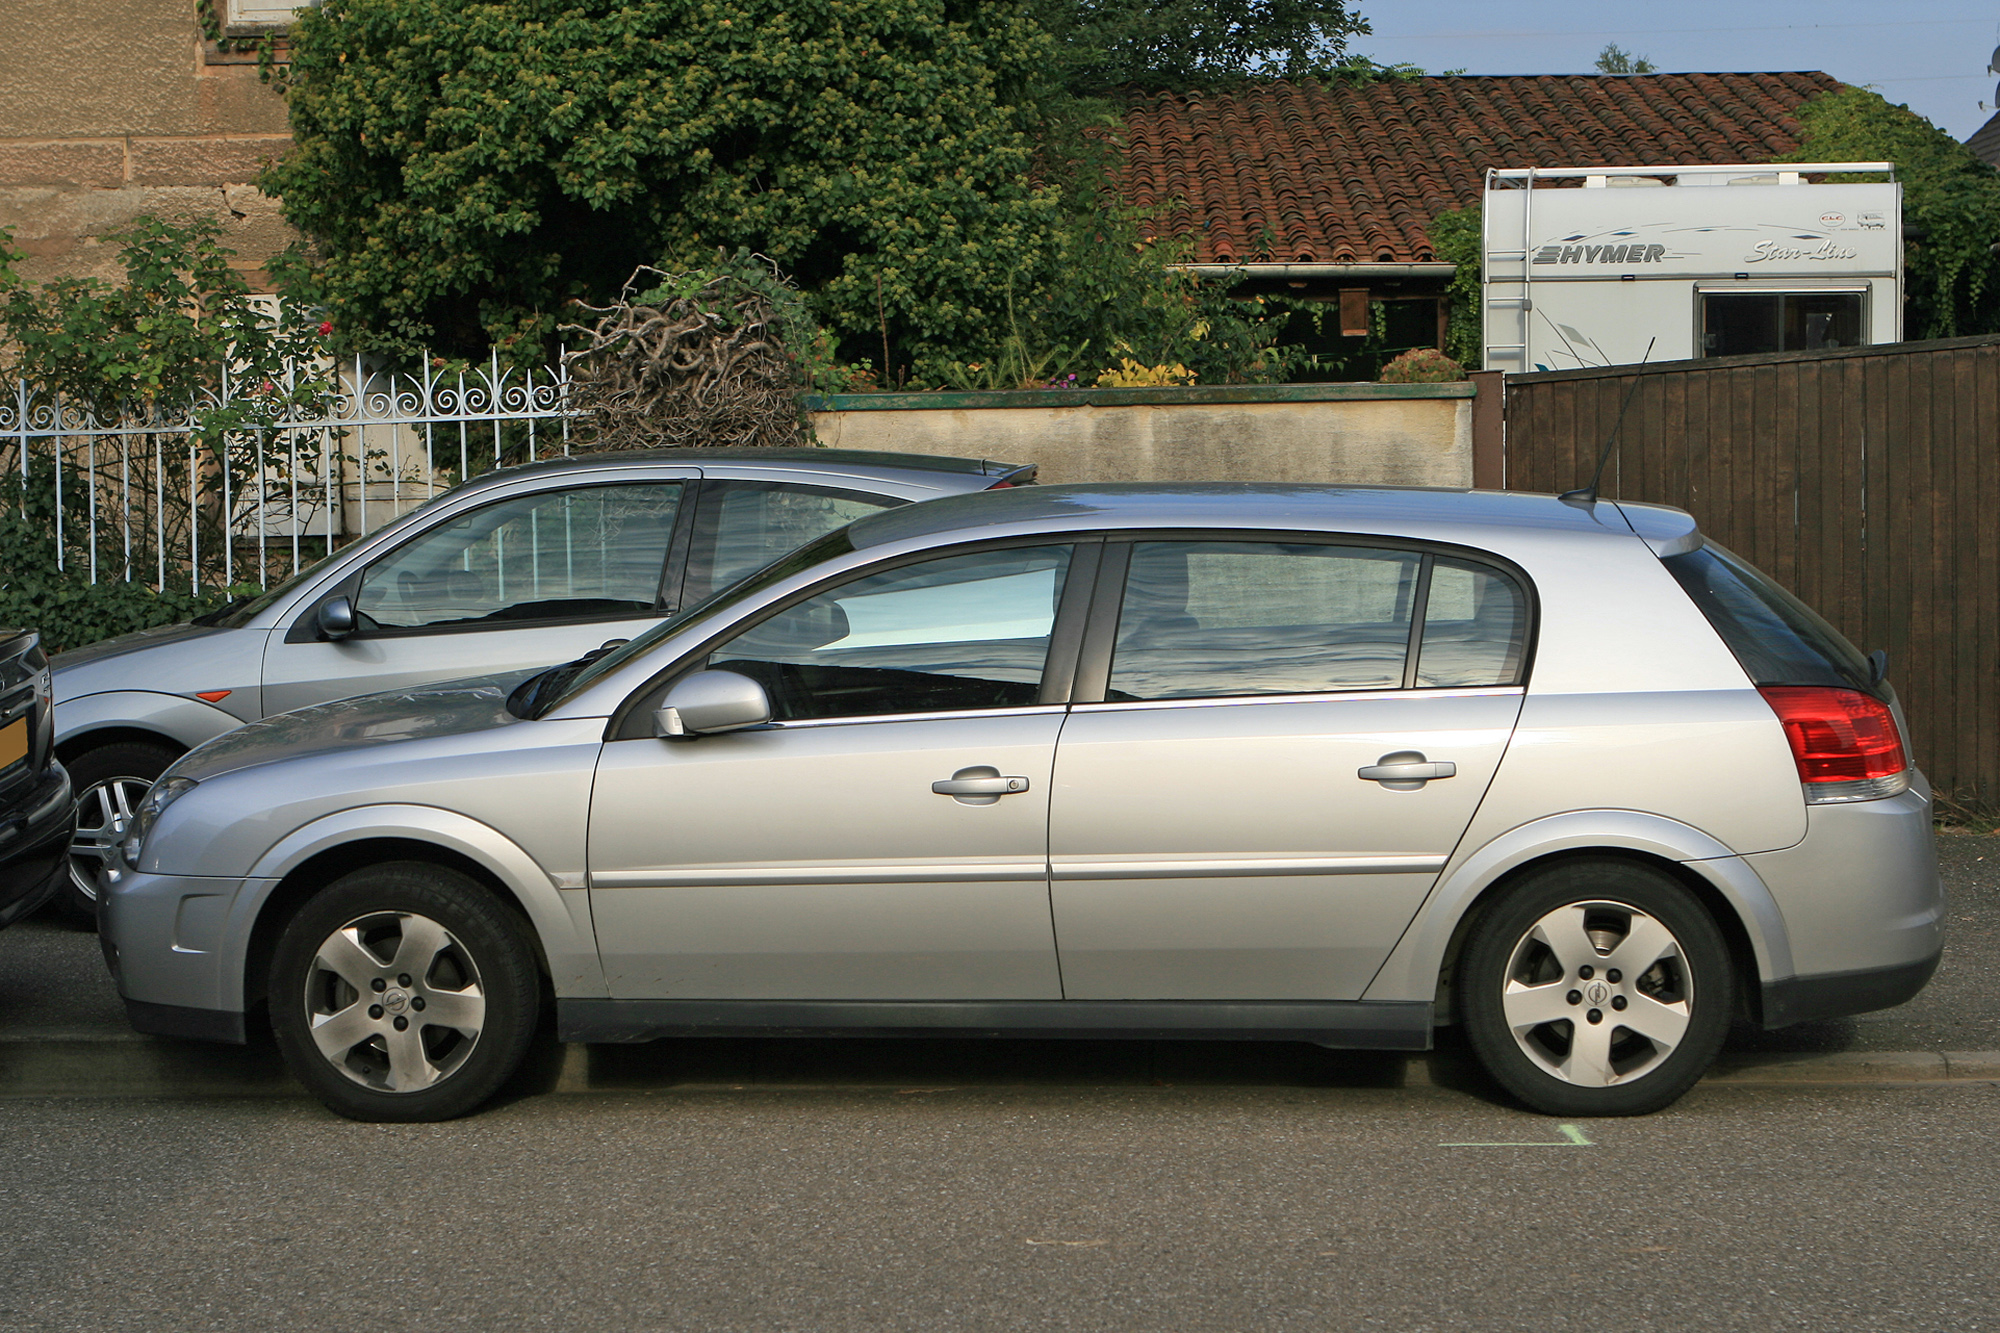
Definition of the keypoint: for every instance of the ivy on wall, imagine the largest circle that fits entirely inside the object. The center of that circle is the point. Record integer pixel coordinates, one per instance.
(1951, 207)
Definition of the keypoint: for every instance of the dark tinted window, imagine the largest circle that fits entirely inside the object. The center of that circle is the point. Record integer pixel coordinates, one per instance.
(745, 525)
(1236, 618)
(1475, 627)
(961, 632)
(1778, 639)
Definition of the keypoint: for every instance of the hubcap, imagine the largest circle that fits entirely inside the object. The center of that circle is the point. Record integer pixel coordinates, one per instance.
(394, 1001)
(1598, 993)
(103, 814)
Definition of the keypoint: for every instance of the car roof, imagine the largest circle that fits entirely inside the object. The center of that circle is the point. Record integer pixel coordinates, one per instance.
(1266, 506)
(859, 462)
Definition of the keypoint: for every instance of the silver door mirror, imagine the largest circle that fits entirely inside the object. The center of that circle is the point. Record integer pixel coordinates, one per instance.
(335, 618)
(708, 702)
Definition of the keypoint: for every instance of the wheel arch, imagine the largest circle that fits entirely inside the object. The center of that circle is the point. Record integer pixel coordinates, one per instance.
(1421, 965)
(77, 744)
(298, 866)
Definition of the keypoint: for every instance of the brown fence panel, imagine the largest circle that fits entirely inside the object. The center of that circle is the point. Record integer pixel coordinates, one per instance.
(1865, 479)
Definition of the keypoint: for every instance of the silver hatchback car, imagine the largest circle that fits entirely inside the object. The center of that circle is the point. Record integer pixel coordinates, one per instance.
(523, 567)
(1313, 764)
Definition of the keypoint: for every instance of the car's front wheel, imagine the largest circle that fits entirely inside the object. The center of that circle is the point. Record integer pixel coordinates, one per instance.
(1596, 988)
(404, 992)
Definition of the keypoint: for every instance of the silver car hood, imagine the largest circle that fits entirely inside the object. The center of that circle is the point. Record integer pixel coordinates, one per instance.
(450, 708)
(137, 642)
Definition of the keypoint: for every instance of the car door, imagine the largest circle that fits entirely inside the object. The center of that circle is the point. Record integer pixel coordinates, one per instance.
(886, 837)
(1292, 737)
(522, 582)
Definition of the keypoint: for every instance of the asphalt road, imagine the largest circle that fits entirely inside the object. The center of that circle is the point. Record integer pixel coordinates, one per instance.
(940, 1208)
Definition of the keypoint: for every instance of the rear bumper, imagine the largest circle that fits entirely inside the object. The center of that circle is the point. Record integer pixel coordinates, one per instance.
(1837, 994)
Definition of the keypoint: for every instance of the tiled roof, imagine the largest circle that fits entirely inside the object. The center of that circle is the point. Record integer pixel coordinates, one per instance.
(1353, 173)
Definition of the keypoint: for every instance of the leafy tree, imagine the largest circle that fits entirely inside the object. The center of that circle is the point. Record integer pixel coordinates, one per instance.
(1615, 59)
(1951, 206)
(1456, 239)
(1188, 43)
(464, 168)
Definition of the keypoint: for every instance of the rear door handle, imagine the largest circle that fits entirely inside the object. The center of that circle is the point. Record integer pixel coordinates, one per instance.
(1406, 770)
(979, 785)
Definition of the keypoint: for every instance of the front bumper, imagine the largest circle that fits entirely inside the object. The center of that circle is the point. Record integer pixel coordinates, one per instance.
(174, 949)
(34, 845)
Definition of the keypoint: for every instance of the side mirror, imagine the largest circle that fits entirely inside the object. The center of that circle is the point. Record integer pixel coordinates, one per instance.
(335, 618)
(708, 702)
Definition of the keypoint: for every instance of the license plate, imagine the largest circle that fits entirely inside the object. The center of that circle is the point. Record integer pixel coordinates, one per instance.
(13, 742)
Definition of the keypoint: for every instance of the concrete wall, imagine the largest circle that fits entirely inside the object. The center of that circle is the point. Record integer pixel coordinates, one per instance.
(1405, 435)
(113, 108)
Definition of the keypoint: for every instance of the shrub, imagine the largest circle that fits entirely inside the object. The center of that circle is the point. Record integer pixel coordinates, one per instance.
(1422, 365)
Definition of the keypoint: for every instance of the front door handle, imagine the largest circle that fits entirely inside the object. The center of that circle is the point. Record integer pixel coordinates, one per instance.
(1406, 770)
(979, 785)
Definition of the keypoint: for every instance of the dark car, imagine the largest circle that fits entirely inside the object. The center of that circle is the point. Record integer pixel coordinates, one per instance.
(36, 812)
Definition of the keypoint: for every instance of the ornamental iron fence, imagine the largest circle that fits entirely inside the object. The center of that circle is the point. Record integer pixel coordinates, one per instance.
(260, 478)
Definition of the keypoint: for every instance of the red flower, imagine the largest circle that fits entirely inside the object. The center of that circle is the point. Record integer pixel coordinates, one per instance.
(325, 327)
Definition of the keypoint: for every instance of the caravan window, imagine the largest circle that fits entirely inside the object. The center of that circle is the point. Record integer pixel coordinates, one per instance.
(1736, 322)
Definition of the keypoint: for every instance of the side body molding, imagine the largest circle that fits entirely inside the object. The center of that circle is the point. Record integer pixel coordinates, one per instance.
(1412, 970)
(188, 722)
(561, 917)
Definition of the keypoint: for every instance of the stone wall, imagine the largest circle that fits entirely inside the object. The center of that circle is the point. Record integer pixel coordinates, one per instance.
(1383, 434)
(113, 108)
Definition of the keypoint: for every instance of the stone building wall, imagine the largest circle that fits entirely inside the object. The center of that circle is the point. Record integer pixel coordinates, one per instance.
(114, 108)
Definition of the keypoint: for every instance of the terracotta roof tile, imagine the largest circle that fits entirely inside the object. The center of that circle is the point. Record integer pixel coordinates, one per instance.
(1353, 173)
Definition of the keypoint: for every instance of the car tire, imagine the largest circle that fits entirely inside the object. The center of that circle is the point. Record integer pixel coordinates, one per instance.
(404, 992)
(109, 781)
(1596, 988)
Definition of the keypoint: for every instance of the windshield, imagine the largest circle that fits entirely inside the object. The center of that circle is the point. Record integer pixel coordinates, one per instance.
(244, 609)
(574, 677)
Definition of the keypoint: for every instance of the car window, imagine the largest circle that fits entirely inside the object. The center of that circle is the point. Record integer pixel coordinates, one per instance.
(590, 553)
(1778, 639)
(744, 525)
(1475, 627)
(1235, 618)
(961, 632)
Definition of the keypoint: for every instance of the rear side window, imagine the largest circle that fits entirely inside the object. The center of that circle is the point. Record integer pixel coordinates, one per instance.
(1778, 638)
(1219, 619)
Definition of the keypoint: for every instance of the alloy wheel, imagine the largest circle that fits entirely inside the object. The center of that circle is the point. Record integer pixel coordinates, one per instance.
(1598, 993)
(394, 1002)
(103, 813)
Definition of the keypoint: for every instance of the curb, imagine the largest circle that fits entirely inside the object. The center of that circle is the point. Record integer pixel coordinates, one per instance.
(130, 1065)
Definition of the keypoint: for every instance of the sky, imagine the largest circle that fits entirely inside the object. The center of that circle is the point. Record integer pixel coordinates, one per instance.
(1928, 54)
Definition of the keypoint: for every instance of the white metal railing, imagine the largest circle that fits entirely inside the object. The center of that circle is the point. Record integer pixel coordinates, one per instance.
(220, 483)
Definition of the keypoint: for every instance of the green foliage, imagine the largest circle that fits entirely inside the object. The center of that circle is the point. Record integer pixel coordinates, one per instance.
(1422, 365)
(1615, 59)
(162, 340)
(1455, 239)
(465, 168)
(1359, 69)
(149, 359)
(1951, 206)
(1106, 44)
(748, 274)
(68, 609)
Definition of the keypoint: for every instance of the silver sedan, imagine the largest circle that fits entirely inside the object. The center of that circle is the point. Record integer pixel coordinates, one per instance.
(1280, 763)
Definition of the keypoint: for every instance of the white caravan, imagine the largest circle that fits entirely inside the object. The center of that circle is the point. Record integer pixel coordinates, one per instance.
(1585, 266)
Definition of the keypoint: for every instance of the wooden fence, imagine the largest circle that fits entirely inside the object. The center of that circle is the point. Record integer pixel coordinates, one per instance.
(1867, 480)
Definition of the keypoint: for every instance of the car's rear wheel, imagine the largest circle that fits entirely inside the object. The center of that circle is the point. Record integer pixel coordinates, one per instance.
(404, 992)
(1596, 988)
(109, 782)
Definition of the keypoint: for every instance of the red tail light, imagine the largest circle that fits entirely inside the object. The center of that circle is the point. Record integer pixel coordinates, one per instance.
(1838, 735)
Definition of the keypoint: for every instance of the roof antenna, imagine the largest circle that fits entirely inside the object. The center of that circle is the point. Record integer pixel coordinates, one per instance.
(1587, 495)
